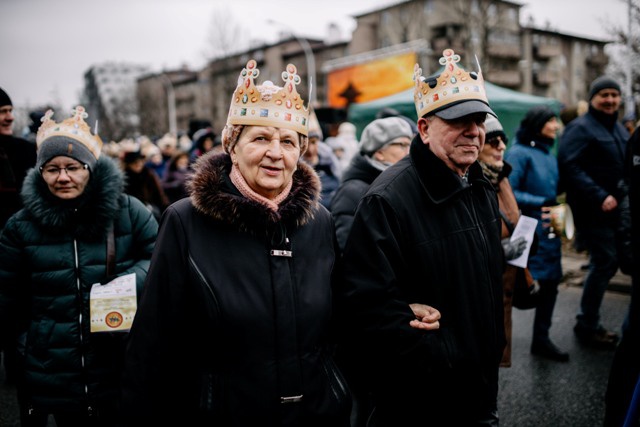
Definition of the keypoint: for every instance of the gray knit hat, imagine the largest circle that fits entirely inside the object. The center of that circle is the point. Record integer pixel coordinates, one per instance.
(380, 132)
(65, 146)
(493, 129)
(71, 137)
(602, 82)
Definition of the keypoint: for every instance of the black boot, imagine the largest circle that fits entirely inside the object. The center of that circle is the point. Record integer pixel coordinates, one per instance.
(600, 338)
(548, 350)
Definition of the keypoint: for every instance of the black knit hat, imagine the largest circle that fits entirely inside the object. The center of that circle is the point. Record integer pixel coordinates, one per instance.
(602, 82)
(132, 156)
(535, 119)
(4, 98)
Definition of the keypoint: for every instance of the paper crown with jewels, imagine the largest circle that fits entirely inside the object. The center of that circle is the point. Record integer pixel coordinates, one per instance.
(268, 104)
(450, 89)
(71, 137)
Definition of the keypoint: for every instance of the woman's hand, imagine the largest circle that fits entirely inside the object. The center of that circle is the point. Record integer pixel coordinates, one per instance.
(427, 317)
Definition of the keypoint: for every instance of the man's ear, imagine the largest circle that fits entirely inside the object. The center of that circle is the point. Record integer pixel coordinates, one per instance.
(423, 128)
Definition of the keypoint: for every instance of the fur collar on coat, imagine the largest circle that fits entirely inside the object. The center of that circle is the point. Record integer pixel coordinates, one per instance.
(86, 217)
(213, 195)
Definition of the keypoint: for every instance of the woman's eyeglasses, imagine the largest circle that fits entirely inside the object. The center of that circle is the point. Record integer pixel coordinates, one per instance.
(49, 172)
(401, 144)
(495, 142)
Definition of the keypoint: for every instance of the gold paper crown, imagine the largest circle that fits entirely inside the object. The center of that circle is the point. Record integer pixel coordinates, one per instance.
(74, 127)
(268, 104)
(452, 86)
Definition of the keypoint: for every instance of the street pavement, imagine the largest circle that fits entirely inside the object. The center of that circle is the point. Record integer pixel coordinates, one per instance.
(534, 392)
(539, 392)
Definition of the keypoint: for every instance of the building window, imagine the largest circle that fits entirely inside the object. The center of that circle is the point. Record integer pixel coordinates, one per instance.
(428, 6)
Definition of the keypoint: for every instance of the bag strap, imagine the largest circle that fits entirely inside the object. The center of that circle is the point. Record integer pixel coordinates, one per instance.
(508, 223)
(111, 251)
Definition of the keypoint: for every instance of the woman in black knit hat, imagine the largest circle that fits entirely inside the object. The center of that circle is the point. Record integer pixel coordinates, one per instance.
(534, 180)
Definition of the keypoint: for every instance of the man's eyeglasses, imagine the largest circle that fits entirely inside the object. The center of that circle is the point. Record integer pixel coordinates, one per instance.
(49, 172)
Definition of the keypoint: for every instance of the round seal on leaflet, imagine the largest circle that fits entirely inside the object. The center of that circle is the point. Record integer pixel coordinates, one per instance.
(113, 319)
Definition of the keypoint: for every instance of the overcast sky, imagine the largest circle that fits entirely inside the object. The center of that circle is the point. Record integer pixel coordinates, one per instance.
(47, 45)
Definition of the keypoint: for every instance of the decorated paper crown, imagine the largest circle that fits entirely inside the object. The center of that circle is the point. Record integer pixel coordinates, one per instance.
(74, 127)
(268, 104)
(454, 85)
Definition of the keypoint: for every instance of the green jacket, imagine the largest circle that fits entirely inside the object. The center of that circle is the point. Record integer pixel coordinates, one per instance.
(51, 252)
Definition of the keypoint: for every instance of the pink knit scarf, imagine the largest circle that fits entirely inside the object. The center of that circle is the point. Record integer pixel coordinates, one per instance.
(242, 186)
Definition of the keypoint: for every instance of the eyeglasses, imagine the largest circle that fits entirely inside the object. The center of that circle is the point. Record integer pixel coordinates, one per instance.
(74, 171)
(495, 142)
(403, 145)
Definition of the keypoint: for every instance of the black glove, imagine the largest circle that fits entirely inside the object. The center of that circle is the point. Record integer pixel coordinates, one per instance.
(550, 202)
(513, 249)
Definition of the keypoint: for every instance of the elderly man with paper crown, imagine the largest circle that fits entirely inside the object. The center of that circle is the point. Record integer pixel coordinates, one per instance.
(76, 232)
(428, 232)
(234, 325)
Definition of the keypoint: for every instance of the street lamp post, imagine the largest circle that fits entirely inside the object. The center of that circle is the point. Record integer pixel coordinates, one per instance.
(630, 108)
(171, 104)
(309, 57)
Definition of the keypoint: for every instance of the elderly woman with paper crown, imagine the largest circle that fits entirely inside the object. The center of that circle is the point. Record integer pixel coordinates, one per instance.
(234, 326)
(77, 230)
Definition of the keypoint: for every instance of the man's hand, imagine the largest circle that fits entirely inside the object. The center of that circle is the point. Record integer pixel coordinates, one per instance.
(609, 204)
(513, 249)
(427, 317)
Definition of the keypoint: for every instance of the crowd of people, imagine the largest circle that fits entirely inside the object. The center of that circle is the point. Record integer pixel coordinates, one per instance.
(282, 278)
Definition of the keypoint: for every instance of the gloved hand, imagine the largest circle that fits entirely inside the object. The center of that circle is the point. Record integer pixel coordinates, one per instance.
(550, 202)
(513, 249)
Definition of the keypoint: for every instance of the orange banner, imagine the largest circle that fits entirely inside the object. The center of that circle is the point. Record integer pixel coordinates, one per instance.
(371, 80)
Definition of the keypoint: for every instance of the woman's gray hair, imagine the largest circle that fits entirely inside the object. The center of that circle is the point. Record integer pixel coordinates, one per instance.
(231, 133)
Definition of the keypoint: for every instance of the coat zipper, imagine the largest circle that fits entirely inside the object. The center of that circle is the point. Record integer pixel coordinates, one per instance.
(81, 320)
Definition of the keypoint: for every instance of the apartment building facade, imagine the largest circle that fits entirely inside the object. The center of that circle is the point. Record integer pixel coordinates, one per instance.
(527, 59)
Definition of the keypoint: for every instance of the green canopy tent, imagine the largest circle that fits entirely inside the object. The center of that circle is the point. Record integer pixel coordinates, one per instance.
(509, 105)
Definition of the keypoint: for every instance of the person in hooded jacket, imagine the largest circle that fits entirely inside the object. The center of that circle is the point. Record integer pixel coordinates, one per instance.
(534, 179)
(52, 252)
(142, 183)
(383, 143)
(234, 327)
(174, 182)
(320, 156)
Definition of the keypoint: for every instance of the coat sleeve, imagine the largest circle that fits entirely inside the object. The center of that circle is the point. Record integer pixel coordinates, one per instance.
(13, 278)
(372, 309)
(159, 338)
(571, 152)
(343, 207)
(521, 164)
(144, 233)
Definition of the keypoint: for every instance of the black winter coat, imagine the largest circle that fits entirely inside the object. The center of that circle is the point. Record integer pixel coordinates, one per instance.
(423, 235)
(591, 161)
(51, 253)
(17, 156)
(230, 332)
(355, 183)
